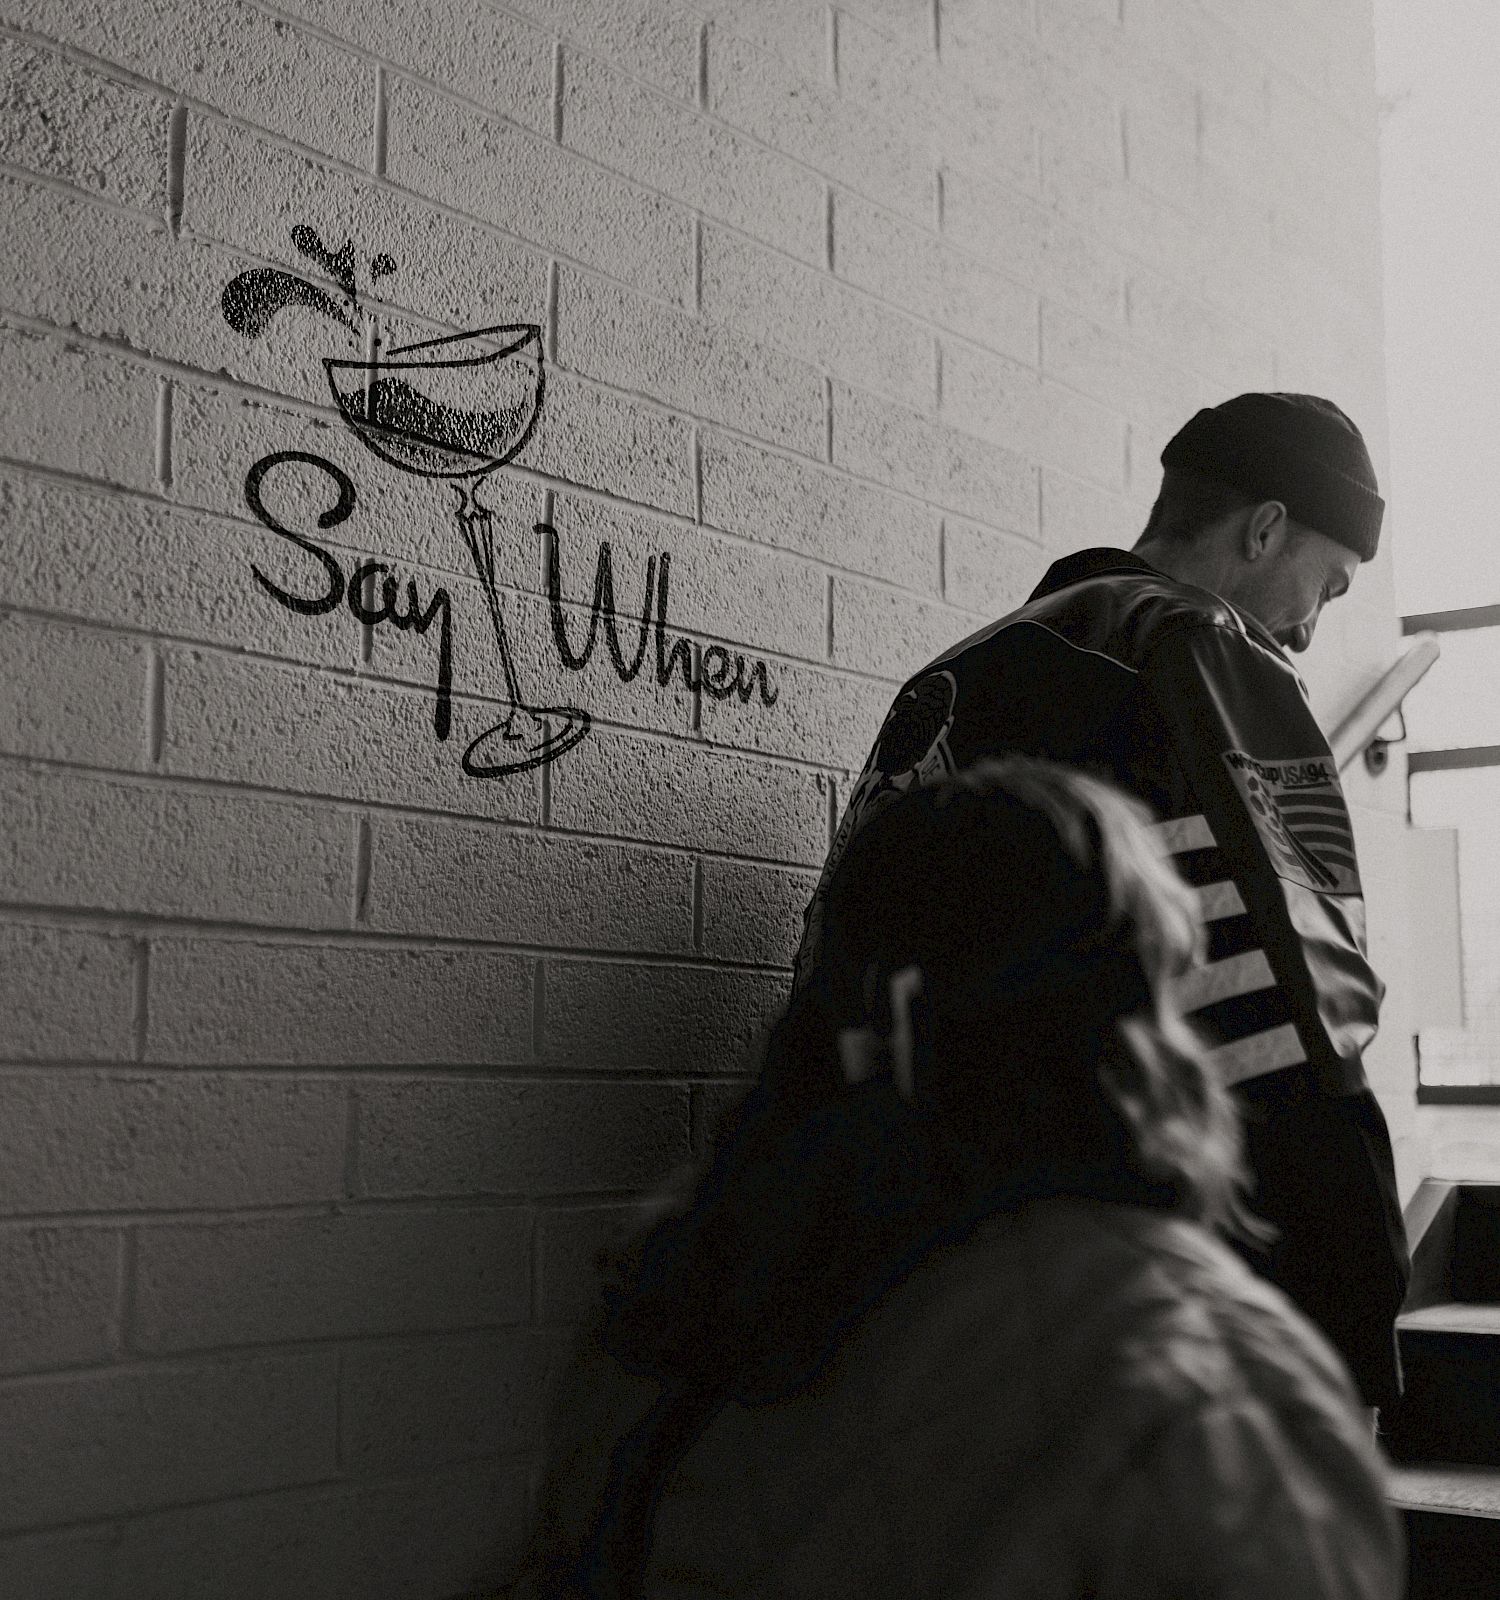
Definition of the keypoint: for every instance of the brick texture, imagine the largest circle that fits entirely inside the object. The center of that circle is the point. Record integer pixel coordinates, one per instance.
(443, 1532)
(482, 882)
(61, 1289)
(682, 1019)
(100, 1444)
(227, 1000)
(73, 694)
(79, 126)
(415, 1403)
(66, 993)
(78, 410)
(220, 1283)
(568, 1242)
(167, 1143)
(463, 1137)
(101, 844)
(326, 1066)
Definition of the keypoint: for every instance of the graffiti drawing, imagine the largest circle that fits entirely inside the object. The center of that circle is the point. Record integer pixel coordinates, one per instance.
(352, 591)
(458, 408)
(455, 408)
(718, 674)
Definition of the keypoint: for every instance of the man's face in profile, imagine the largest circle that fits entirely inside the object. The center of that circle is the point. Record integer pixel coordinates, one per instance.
(1286, 590)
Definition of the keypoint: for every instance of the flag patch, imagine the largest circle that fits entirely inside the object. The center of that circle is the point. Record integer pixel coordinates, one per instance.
(1298, 809)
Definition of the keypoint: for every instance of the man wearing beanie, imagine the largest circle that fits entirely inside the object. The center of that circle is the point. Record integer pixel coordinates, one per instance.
(1165, 669)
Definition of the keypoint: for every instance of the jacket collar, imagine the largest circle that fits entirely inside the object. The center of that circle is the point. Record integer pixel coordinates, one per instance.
(1096, 563)
(1091, 564)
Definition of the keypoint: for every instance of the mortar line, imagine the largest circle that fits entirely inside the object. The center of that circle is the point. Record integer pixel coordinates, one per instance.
(533, 1275)
(361, 886)
(558, 85)
(155, 216)
(164, 397)
(549, 514)
(552, 293)
(351, 1141)
(379, 132)
(141, 1008)
(225, 931)
(675, 519)
(698, 904)
(339, 1462)
(125, 1310)
(177, 167)
(148, 922)
(1113, 329)
(270, 136)
(301, 1494)
(702, 85)
(188, 781)
(538, 1007)
(156, 705)
(348, 1078)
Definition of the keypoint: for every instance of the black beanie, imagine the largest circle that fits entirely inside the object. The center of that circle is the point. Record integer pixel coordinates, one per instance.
(1295, 448)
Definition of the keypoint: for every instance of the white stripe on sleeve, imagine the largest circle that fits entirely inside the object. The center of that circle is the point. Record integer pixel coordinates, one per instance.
(1223, 980)
(1216, 900)
(1184, 833)
(1258, 1054)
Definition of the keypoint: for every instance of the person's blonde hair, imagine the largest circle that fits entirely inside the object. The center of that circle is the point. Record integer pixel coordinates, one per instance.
(1049, 927)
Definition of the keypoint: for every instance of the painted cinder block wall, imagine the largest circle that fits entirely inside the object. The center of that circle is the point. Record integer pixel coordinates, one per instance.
(326, 1064)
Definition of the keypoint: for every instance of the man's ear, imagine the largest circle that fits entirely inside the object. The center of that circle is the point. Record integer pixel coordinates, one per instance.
(905, 991)
(1264, 530)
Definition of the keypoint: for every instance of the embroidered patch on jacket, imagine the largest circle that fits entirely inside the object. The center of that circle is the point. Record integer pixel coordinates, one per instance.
(1298, 809)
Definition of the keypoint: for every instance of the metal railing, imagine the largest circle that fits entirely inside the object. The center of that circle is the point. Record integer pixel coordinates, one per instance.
(1357, 734)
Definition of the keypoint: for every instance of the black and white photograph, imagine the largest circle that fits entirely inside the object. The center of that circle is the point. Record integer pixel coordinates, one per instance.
(749, 800)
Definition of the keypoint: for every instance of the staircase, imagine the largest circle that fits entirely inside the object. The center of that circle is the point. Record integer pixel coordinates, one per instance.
(1445, 1439)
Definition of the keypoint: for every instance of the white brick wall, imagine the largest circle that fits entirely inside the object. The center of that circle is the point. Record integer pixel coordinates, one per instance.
(324, 1067)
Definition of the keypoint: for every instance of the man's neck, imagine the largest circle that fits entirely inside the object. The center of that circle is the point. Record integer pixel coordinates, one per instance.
(1183, 562)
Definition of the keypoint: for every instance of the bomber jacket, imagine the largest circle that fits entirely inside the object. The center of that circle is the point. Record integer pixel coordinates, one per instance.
(1189, 704)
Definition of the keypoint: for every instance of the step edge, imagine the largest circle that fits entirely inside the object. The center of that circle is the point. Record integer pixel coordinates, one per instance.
(1407, 1496)
(1428, 1319)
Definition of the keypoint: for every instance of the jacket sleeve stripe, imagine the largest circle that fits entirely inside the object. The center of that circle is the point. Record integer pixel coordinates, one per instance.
(1184, 833)
(1216, 900)
(1226, 980)
(1260, 1053)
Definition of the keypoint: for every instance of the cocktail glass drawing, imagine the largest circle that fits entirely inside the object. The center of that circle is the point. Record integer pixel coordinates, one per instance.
(458, 407)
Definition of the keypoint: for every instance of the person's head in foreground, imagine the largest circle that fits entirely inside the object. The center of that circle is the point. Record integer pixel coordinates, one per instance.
(1270, 501)
(943, 1314)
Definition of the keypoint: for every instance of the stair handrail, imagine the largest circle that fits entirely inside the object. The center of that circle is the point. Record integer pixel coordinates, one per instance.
(1356, 733)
